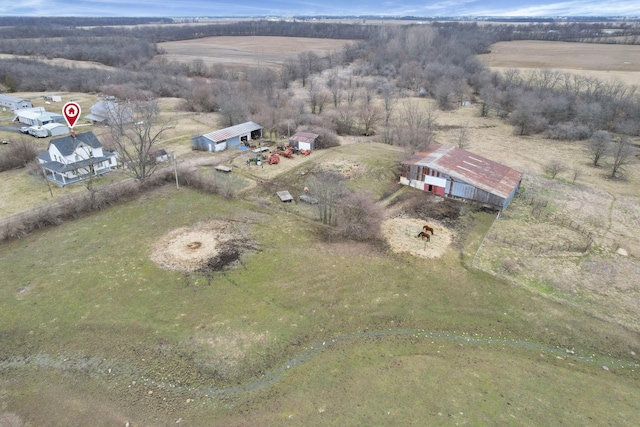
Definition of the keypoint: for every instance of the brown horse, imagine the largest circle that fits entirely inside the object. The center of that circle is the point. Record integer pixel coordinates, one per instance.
(424, 236)
(427, 228)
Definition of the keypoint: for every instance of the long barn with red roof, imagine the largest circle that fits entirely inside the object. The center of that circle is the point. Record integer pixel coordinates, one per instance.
(454, 172)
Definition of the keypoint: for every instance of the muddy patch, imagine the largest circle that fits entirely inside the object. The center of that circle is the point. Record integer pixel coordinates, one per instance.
(210, 246)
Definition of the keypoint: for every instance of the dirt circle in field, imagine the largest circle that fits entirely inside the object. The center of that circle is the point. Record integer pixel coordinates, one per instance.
(402, 236)
(193, 248)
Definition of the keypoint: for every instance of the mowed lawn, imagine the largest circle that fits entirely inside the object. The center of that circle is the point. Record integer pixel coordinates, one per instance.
(94, 333)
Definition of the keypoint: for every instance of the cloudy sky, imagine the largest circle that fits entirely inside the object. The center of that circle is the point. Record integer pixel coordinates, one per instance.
(317, 7)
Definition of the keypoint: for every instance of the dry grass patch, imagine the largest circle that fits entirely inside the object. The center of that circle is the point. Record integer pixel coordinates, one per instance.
(249, 50)
(546, 54)
(402, 236)
(227, 346)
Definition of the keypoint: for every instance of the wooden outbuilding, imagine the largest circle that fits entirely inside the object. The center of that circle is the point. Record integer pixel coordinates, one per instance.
(454, 172)
(284, 196)
(303, 140)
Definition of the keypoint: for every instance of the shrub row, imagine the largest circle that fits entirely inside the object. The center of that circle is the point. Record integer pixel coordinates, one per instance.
(72, 206)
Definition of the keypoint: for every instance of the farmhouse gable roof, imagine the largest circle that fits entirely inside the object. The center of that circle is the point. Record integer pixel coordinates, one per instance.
(490, 176)
(67, 145)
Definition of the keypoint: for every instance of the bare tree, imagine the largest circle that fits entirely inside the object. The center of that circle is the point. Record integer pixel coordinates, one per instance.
(416, 126)
(389, 101)
(599, 144)
(346, 121)
(358, 217)
(232, 98)
(318, 97)
(554, 167)
(461, 137)
(327, 188)
(335, 87)
(198, 68)
(135, 134)
(526, 117)
(368, 117)
(620, 155)
(577, 173)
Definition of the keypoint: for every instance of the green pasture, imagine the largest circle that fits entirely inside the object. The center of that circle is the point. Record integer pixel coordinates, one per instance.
(84, 298)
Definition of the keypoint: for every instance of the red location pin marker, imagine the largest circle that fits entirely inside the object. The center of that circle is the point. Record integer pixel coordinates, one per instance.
(71, 112)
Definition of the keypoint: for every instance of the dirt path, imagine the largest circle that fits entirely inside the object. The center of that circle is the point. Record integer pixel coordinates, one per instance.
(122, 372)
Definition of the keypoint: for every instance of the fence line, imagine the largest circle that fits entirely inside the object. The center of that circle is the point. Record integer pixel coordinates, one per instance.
(537, 205)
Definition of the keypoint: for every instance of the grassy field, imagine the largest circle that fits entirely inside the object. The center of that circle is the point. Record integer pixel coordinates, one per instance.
(101, 334)
(306, 331)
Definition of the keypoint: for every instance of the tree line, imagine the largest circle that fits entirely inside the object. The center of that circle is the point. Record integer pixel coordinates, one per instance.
(363, 88)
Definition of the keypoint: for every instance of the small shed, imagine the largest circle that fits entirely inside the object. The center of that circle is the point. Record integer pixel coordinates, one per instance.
(230, 137)
(52, 98)
(56, 129)
(308, 199)
(284, 196)
(303, 140)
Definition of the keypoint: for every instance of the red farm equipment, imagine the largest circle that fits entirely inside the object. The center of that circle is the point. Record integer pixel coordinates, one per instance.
(274, 159)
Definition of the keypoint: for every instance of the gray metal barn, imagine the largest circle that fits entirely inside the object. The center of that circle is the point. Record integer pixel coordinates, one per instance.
(230, 137)
(453, 172)
(13, 103)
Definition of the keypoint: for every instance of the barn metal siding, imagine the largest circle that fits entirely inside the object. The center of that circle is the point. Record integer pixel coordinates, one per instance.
(202, 143)
(511, 196)
(234, 141)
(464, 175)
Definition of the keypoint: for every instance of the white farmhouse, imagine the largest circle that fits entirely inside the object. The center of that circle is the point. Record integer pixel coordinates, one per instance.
(72, 158)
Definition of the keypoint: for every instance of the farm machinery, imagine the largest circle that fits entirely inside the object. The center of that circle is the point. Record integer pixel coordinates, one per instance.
(285, 151)
(274, 159)
(257, 160)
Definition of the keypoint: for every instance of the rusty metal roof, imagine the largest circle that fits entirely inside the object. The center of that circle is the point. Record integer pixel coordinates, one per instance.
(233, 131)
(490, 176)
(304, 136)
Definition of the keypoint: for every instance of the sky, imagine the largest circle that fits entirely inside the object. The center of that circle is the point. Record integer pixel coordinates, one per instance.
(180, 8)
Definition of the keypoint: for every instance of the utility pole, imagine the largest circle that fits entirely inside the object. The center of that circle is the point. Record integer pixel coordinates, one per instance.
(175, 169)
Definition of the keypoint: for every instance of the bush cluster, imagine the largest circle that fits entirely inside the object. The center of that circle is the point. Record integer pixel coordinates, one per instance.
(72, 206)
(17, 155)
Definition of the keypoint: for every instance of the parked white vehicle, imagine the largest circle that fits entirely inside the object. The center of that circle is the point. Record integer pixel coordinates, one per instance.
(38, 131)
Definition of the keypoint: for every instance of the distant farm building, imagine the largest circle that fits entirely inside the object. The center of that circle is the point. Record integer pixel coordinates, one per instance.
(12, 103)
(72, 158)
(52, 98)
(104, 112)
(303, 140)
(457, 173)
(230, 137)
(37, 116)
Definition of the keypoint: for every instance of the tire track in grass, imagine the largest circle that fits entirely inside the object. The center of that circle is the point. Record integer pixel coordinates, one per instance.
(97, 366)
